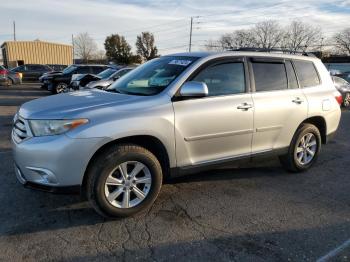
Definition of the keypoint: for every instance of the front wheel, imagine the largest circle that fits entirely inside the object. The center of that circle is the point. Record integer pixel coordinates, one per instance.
(61, 88)
(303, 150)
(125, 179)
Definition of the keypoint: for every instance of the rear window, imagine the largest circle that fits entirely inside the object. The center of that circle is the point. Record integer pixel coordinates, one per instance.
(307, 73)
(269, 76)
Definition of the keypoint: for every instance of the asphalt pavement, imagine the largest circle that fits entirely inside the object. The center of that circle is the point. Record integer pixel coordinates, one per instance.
(252, 213)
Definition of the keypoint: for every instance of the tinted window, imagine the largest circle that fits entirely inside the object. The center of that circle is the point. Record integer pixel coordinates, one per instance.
(69, 69)
(106, 73)
(19, 69)
(36, 67)
(83, 70)
(98, 69)
(306, 73)
(269, 76)
(292, 79)
(223, 79)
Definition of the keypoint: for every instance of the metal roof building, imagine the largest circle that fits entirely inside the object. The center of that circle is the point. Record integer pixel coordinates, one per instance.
(17, 53)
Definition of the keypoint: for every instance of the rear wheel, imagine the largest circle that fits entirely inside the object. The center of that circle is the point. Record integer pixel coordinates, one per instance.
(125, 179)
(10, 82)
(303, 150)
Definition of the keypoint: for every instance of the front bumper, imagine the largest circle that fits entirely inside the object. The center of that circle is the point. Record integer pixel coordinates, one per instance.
(42, 187)
(53, 161)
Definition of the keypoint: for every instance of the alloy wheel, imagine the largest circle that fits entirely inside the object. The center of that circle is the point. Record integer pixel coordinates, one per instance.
(128, 184)
(346, 102)
(306, 149)
(61, 88)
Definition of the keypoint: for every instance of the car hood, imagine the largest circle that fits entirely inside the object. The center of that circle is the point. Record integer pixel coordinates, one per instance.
(72, 104)
(103, 82)
(53, 75)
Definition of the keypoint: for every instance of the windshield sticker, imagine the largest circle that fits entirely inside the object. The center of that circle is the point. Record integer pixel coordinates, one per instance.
(180, 62)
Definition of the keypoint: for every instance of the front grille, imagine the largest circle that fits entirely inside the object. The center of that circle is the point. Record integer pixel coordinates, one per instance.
(19, 131)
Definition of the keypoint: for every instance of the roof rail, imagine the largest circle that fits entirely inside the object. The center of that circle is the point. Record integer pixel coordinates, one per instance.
(270, 50)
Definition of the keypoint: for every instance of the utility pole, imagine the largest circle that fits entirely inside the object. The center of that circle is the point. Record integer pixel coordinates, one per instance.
(72, 49)
(190, 45)
(14, 31)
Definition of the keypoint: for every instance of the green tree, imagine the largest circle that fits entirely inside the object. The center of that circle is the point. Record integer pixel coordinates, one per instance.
(145, 46)
(118, 49)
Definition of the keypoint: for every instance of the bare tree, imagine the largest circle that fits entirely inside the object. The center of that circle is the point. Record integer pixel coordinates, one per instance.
(84, 46)
(99, 55)
(300, 36)
(145, 46)
(268, 34)
(213, 45)
(342, 40)
(235, 40)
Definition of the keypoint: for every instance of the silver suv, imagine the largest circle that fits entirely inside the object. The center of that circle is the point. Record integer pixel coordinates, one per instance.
(173, 115)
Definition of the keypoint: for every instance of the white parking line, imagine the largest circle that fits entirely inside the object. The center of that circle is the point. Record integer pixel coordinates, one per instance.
(334, 252)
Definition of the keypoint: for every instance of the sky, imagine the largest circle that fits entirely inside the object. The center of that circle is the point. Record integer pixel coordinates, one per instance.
(169, 20)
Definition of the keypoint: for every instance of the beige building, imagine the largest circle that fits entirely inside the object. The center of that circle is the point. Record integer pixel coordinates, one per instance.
(17, 53)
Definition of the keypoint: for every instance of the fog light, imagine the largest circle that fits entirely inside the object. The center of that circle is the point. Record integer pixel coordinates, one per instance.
(47, 177)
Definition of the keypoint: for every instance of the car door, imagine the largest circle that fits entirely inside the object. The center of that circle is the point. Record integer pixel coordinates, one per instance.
(37, 71)
(279, 104)
(217, 127)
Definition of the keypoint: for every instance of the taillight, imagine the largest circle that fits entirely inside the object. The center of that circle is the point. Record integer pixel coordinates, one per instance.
(3, 72)
(339, 99)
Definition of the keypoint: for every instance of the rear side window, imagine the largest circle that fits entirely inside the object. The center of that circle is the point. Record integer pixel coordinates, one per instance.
(83, 70)
(292, 79)
(269, 76)
(307, 73)
(223, 79)
(97, 69)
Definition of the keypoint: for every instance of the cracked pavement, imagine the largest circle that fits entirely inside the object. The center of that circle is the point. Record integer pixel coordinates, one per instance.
(257, 212)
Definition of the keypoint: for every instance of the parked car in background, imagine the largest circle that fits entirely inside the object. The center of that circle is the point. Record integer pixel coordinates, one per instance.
(31, 72)
(339, 69)
(105, 83)
(58, 83)
(44, 79)
(9, 78)
(82, 80)
(57, 67)
(343, 87)
(205, 110)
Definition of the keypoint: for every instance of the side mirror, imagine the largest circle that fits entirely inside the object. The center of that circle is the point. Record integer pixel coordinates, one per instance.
(194, 89)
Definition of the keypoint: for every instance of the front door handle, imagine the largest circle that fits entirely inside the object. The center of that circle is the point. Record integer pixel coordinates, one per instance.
(297, 100)
(245, 106)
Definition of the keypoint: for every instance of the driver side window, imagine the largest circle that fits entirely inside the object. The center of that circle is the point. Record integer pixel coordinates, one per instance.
(223, 79)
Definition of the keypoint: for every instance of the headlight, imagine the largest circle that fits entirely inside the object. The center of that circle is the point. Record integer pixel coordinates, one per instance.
(54, 127)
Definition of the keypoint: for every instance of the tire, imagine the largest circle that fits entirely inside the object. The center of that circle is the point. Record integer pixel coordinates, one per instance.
(60, 88)
(294, 160)
(10, 82)
(109, 165)
(346, 102)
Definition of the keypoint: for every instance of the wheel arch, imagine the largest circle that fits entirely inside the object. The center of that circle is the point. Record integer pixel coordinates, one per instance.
(320, 123)
(151, 143)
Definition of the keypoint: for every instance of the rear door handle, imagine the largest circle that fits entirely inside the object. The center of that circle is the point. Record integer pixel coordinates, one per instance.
(245, 106)
(297, 100)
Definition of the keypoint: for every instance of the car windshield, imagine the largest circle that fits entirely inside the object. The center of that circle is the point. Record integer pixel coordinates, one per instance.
(152, 77)
(69, 69)
(106, 73)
